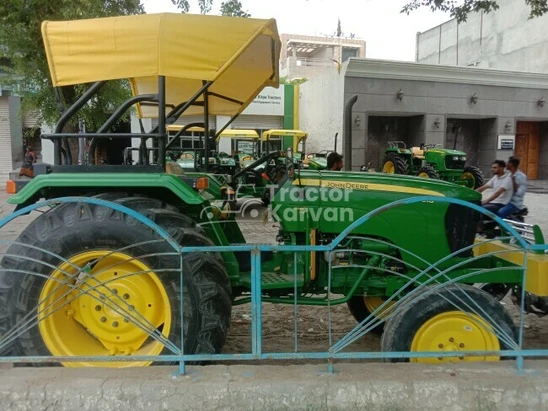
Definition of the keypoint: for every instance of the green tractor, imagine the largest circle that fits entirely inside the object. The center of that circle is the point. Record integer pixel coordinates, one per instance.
(98, 256)
(430, 161)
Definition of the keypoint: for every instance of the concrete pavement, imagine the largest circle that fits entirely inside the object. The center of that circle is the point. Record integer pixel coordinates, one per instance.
(370, 386)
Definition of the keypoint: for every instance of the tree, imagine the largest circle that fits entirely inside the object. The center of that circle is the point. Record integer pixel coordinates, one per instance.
(461, 12)
(228, 8)
(233, 8)
(22, 52)
(295, 81)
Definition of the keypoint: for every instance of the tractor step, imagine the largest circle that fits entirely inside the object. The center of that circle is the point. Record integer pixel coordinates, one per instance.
(274, 280)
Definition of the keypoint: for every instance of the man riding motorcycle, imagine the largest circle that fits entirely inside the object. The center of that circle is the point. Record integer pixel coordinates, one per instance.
(519, 183)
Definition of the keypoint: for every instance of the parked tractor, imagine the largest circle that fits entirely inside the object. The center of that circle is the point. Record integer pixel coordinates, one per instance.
(430, 161)
(98, 256)
(280, 140)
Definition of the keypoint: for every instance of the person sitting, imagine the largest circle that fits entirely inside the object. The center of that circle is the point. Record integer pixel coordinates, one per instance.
(502, 185)
(519, 183)
(334, 161)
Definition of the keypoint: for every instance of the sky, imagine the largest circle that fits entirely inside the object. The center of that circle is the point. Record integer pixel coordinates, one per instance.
(388, 33)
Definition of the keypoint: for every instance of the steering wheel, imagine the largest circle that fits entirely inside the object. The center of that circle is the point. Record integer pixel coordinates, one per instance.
(223, 154)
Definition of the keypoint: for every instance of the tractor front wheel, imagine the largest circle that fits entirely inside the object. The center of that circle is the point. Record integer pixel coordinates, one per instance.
(88, 280)
(432, 322)
(394, 164)
(428, 172)
(473, 177)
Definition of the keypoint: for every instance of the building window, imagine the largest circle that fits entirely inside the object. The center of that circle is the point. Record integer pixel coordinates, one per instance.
(348, 52)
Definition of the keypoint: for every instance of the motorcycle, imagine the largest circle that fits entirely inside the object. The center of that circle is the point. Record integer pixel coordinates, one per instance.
(491, 228)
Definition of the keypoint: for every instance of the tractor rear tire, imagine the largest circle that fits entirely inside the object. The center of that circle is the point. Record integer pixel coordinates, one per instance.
(428, 172)
(394, 164)
(432, 323)
(79, 232)
(361, 307)
(473, 176)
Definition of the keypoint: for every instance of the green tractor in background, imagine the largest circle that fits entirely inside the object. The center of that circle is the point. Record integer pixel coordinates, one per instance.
(92, 253)
(430, 161)
(189, 152)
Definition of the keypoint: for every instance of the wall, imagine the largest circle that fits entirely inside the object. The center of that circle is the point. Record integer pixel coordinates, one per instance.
(543, 151)
(432, 93)
(321, 110)
(467, 136)
(16, 130)
(505, 39)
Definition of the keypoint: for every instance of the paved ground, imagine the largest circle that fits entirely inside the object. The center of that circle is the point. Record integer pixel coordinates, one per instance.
(367, 387)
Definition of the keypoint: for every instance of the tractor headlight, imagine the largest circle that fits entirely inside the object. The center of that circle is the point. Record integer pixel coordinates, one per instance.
(463, 158)
(455, 158)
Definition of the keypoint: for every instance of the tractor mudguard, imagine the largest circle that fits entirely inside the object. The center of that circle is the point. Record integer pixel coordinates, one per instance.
(37, 187)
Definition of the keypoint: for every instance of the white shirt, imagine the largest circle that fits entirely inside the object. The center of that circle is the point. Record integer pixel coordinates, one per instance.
(502, 182)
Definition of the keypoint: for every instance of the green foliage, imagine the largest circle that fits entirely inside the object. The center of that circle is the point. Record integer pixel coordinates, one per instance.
(25, 61)
(461, 9)
(295, 81)
(233, 8)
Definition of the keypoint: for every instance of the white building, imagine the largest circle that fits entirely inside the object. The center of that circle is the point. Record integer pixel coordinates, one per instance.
(505, 39)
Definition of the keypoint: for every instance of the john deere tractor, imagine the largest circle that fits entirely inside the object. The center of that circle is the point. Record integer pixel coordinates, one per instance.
(431, 161)
(100, 257)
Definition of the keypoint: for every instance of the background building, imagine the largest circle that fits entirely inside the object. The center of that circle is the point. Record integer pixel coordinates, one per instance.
(506, 39)
(14, 125)
(307, 56)
(458, 107)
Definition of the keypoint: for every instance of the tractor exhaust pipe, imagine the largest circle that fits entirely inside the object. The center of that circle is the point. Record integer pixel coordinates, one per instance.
(347, 138)
(336, 135)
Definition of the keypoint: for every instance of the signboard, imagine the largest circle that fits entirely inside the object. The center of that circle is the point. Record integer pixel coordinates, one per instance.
(269, 102)
(506, 142)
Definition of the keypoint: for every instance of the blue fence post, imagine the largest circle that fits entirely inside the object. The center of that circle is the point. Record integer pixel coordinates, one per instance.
(256, 304)
(182, 365)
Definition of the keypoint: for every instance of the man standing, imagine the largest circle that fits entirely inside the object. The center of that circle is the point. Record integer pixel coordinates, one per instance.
(519, 183)
(334, 161)
(501, 183)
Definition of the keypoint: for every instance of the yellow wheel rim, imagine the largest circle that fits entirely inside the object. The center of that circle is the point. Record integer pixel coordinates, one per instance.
(469, 177)
(93, 319)
(372, 303)
(424, 175)
(455, 331)
(389, 167)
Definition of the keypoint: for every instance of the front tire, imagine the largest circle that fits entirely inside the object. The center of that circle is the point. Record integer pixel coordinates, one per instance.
(394, 164)
(428, 172)
(124, 269)
(473, 177)
(432, 323)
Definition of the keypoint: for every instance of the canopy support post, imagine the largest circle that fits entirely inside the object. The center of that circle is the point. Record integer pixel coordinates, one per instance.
(206, 125)
(162, 121)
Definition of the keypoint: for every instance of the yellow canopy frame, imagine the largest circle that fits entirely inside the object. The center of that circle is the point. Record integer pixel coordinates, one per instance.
(238, 56)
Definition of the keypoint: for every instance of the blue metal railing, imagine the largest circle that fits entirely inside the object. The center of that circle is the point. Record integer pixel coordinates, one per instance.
(433, 279)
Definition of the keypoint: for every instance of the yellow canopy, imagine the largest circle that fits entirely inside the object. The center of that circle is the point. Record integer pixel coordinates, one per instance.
(176, 127)
(231, 133)
(239, 55)
(297, 133)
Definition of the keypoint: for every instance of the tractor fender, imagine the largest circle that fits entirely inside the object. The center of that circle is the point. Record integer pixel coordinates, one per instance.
(43, 186)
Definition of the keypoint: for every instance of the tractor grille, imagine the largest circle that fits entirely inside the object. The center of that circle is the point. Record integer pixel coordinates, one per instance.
(460, 228)
(451, 164)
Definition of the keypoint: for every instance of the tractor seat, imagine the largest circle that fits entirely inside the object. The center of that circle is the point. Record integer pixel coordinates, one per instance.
(174, 168)
(417, 152)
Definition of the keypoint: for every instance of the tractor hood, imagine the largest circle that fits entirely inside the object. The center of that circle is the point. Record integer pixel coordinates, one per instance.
(447, 151)
(391, 184)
